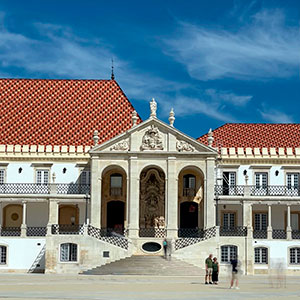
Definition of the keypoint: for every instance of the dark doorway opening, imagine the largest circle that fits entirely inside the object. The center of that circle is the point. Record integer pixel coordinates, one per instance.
(188, 215)
(115, 216)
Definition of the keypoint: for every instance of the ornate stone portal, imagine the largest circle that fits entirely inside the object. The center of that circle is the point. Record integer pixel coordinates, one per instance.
(152, 199)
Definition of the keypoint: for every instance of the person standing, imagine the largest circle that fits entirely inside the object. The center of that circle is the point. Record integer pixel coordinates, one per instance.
(208, 269)
(165, 245)
(215, 271)
(234, 278)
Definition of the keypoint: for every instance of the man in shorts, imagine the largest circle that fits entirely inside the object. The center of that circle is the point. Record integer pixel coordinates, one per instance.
(208, 269)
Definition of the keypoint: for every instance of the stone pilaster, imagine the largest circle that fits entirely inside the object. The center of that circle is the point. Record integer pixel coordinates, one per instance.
(96, 186)
(172, 199)
(134, 191)
(209, 207)
(53, 214)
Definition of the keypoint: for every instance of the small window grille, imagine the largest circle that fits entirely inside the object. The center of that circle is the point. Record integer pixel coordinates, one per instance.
(228, 253)
(85, 177)
(261, 255)
(295, 256)
(2, 255)
(2, 176)
(68, 252)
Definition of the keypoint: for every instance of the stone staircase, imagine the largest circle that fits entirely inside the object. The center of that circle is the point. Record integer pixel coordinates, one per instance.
(147, 265)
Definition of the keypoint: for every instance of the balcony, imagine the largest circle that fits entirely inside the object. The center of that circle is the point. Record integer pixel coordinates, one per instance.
(253, 190)
(47, 188)
(233, 231)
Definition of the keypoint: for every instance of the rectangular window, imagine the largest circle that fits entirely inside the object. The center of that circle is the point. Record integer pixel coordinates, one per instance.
(292, 180)
(85, 177)
(295, 255)
(260, 221)
(68, 252)
(2, 255)
(261, 255)
(2, 176)
(228, 220)
(261, 180)
(228, 253)
(229, 183)
(42, 176)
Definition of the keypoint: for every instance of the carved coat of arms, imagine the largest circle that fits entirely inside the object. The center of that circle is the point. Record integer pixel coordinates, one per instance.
(152, 139)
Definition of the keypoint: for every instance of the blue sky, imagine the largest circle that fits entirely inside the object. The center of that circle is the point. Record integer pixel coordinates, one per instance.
(214, 61)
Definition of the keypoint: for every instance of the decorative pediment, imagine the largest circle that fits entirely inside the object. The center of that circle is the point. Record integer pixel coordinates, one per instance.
(183, 146)
(120, 146)
(152, 139)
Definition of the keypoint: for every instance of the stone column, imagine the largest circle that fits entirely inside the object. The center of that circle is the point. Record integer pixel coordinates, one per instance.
(134, 193)
(247, 218)
(172, 199)
(1, 216)
(24, 225)
(53, 214)
(209, 207)
(289, 228)
(96, 186)
(269, 229)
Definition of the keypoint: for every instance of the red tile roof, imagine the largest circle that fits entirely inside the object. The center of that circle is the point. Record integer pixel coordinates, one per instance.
(255, 136)
(61, 112)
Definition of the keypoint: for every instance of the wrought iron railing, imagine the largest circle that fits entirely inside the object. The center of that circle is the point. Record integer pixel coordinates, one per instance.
(189, 192)
(188, 241)
(296, 234)
(44, 188)
(102, 235)
(279, 234)
(67, 229)
(114, 191)
(36, 231)
(233, 231)
(190, 232)
(10, 231)
(254, 190)
(234, 190)
(260, 234)
(153, 232)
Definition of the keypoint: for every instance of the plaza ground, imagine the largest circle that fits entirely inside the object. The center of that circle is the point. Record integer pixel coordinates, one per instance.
(39, 286)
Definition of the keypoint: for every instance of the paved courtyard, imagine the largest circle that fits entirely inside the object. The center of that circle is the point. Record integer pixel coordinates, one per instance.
(36, 286)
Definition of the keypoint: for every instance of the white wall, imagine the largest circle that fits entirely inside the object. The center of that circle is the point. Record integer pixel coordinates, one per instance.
(278, 252)
(21, 252)
(27, 175)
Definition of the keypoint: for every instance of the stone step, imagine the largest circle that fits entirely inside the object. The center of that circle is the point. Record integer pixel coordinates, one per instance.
(147, 265)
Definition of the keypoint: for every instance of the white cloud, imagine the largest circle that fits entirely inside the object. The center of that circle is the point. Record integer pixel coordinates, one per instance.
(228, 97)
(276, 116)
(265, 48)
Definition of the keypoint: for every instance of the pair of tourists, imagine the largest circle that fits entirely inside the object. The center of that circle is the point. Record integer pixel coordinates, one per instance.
(211, 270)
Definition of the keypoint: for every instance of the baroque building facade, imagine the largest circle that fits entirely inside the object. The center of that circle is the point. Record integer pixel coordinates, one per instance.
(85, 182)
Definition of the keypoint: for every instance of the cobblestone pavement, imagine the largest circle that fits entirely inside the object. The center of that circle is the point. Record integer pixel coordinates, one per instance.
(38, 286)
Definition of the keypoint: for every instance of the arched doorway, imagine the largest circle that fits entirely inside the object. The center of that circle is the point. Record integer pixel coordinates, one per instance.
(12, 215)
(152, 201)
(113, 203)
(188, 215)
(190, 201)
(116, 216)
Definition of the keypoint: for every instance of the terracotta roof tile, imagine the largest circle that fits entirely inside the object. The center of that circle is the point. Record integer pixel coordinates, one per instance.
(61, 112)
(255, 135)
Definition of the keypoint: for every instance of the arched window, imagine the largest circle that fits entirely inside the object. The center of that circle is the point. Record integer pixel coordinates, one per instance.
(228, 253)
(68, 252)
(189, 185)
(116, 184)
(261, 255)
(295, 256)
(3, 255)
